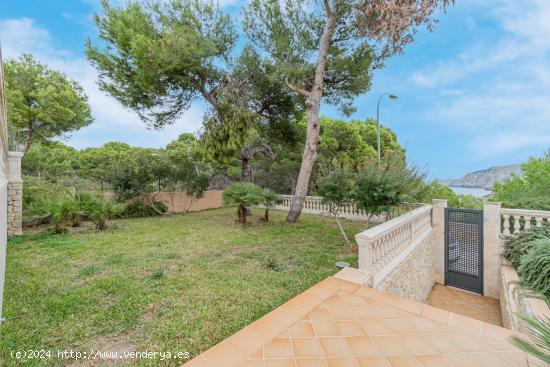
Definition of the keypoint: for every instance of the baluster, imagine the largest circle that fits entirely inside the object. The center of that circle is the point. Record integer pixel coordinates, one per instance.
(527, 224)
(538, 221)
(517, 223)
(506, 230)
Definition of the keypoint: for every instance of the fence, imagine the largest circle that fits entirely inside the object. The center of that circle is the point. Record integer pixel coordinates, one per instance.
(315, 205)
(516, 220)
(382, 247)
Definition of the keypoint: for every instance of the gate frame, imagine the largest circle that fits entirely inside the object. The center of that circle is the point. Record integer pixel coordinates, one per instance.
(481, 259)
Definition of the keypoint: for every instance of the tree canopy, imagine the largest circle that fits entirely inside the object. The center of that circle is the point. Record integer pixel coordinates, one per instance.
(42, 103)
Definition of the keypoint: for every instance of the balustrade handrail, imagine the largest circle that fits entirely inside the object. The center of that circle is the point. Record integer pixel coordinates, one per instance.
(387, 227)
(525, 212)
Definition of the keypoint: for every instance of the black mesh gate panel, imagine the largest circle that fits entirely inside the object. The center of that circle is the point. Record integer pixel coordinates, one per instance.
(464, 249)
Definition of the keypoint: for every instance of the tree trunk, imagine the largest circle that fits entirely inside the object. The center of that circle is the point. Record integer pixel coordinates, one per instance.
(28, 142)
(313, 105)
(246, 170)
(266, 214)
(342, 229)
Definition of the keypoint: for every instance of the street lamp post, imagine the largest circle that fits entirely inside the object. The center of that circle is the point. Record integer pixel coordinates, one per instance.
(390, 96)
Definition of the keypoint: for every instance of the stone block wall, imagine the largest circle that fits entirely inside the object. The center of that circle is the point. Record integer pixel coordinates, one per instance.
(414, 277)
(15, 208)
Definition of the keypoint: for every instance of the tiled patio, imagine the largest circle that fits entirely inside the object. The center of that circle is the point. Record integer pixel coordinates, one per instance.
(337, 323)
(466, 304)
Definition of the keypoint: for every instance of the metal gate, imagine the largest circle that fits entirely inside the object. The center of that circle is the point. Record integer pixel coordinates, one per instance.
(464, 249)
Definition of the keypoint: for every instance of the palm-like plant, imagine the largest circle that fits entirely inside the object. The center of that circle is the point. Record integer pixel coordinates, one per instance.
(243, 194)
(99, 210)
(269, 200)
(61, 211)
(538, 343)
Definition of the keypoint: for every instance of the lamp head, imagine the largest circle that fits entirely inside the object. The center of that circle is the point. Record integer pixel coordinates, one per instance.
(391, 96)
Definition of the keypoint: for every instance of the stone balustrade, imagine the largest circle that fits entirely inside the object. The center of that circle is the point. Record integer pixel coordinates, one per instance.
(383, 247)
(516, 220)
(315, 205)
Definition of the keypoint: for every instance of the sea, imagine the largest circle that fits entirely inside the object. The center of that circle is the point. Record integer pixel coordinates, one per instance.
(474, 191)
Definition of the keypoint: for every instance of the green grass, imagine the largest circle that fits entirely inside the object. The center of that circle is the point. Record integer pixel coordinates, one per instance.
(178, 283)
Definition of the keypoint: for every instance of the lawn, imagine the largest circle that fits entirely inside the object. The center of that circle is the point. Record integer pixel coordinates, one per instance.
(173, 284)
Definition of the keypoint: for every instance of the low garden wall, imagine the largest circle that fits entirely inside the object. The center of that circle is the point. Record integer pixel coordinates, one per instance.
(398, 255)
(180, 202)
(513, 302)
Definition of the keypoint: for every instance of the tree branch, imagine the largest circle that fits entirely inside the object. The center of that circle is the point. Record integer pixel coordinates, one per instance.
(296, 89)
(328, 9)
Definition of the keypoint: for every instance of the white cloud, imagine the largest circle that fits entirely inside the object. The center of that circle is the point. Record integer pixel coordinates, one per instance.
(504, 82)
(112, 120)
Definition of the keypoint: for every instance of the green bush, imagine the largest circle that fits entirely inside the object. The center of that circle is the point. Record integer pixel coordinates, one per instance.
(97, 209)
(61, 212)
(538, 343)
(138, 209)
(520, 244)
(37, 190)
(243, 194)
(534, 268)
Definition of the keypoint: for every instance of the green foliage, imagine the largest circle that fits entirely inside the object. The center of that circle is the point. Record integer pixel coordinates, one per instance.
(42, 103)
(521, 243)
(538, 343)
(50, 160)
(242, 194)
(469, 201)
(138, 209)
(291, 32)
(381, 187)
(534, 268)
(160, 56)
(435, 190)
(269, 199)
(532, 191)
(336, 189)
(61, 211)
(37, 190)
(97, 209)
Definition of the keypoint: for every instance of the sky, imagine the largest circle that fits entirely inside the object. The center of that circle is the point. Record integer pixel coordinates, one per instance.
(474, 93)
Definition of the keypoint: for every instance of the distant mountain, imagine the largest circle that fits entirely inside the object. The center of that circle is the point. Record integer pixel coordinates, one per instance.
(486, 177)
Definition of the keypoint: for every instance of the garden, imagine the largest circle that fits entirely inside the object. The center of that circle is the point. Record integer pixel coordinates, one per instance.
(170, 283)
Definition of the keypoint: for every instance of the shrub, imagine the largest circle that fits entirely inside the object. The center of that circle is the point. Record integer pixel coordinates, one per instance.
(336, 190)
(534, 268)
(98, 210)
(381, 187)
(519, 244)
(61, 212)
(138, 209)
(269, 200)
(538, 344)
(243, 194)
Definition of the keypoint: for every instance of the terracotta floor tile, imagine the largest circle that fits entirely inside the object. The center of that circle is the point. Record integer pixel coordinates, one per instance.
(320, 315)
(342, 313)
(311, 362)
(442, 343)
(247, 341)
(350, 328)
(354, 300)
(405, 361)
(278, 348)
(434, 360)
(252, 363)
(363, 346)
(466, 304)
(388, 312)
(373, 362)
(326, 328)
(266, 328)
(307, 348)
(335, 347)
(224, 354)
(302, 330)
(415, 345)
(363, 312)
(389, 344)
(279, 363)
(342, 362)
(377, 327)
(199, 361)
(436, 314)
(335, 300)
(401, 326)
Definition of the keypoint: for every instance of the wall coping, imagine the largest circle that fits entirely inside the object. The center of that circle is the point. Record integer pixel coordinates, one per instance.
(390, 225)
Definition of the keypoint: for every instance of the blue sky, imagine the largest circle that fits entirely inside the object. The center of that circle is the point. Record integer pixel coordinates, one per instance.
(472, 94)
